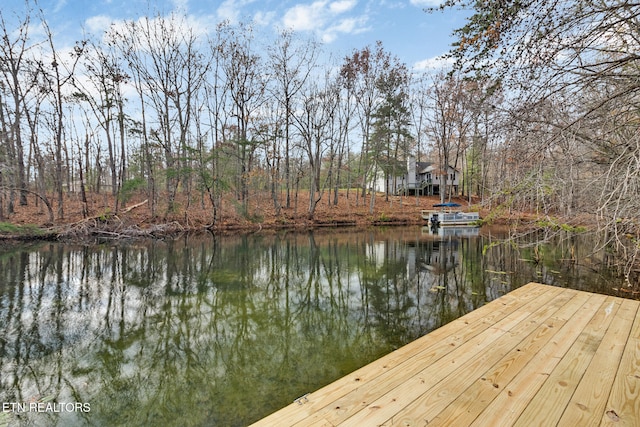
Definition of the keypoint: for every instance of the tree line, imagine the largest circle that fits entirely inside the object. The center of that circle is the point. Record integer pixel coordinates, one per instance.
(157, 105)
(569, 73)
(538, 113)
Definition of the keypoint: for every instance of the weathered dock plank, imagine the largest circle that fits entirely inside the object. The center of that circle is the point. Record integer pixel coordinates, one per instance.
(540, 355)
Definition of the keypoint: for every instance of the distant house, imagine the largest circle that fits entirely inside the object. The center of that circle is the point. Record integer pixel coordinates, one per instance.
(422, 177)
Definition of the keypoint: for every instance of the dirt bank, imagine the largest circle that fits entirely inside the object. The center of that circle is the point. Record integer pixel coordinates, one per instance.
(139, 219)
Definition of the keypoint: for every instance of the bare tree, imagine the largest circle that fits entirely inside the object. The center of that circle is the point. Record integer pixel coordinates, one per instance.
(104, 95)
(344, 113)
(316, 124)
(168, 70)
(571, 72)
(216, 91)
(359, 73)
(16, 67)
(291, 63)
(243, 70)
(449, 124)
(58, 74)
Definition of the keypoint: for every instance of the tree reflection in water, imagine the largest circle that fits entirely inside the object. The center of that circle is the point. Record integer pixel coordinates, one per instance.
(222, 331)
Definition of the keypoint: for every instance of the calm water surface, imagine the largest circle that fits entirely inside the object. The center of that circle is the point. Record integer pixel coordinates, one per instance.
(205, 331)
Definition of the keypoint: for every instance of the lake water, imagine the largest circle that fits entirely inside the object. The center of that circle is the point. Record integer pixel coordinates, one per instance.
(205, 331)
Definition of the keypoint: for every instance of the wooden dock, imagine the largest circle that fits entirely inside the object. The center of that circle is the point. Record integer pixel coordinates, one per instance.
(538, 356)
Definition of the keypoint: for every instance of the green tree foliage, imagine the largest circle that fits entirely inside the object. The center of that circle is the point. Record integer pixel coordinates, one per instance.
(391, 139)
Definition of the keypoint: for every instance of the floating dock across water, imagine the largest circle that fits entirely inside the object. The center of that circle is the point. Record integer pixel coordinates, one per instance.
(538, 356)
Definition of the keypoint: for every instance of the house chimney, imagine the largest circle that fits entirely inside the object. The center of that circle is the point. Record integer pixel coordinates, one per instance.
(411, 172)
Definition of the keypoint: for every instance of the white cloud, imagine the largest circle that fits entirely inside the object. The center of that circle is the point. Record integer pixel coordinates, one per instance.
(231, 10)
(60, 4)
(306, 17)
(264, 19)
(433, 64)
(426, 3)
(328, 19)
(98, 24)
(199, 24)
(228, 11)
(342, 6)
(345, 26)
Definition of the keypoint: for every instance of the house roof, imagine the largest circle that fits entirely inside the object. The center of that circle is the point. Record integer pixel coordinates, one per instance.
(390, 164)
(426, 167)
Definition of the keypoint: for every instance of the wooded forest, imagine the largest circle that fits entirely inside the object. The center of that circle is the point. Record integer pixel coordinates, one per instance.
(538, 110)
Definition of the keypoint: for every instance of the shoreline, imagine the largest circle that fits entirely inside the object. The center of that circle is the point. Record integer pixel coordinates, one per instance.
(138, 220)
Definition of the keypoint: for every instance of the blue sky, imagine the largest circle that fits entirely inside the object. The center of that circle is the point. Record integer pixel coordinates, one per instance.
(405, 30)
